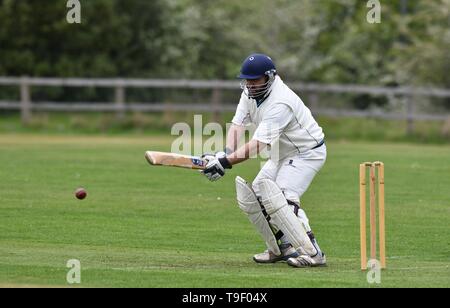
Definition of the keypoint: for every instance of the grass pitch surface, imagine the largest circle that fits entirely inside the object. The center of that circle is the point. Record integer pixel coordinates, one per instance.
(144, 226)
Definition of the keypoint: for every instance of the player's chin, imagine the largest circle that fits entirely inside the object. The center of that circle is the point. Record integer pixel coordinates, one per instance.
(253, 94)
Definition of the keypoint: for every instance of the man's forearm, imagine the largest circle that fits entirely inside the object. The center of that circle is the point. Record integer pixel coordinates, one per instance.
(245, 152)
(234, 136)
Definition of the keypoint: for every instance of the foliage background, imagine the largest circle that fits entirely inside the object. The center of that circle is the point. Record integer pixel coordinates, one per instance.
(323, 41)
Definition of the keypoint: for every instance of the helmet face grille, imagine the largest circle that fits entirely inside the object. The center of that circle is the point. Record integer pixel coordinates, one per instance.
(258, 91)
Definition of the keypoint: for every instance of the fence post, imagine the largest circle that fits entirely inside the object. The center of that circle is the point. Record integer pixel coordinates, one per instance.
(215, 102)
(25, 100)
(120, 99)
(410, 115)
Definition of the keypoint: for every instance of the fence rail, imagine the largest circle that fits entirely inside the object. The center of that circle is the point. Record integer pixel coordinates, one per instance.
(27, 106)
(219, 84)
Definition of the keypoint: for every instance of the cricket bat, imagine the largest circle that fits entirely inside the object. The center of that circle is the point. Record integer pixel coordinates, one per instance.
(175, 160)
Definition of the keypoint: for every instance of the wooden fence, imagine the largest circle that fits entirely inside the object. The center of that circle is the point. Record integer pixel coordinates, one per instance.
(26, 105)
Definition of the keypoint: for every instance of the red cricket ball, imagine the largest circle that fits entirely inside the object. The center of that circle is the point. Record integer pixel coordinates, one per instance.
(80, 193)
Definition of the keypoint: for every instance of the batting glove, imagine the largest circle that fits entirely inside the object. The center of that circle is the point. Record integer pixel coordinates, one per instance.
(215, 169)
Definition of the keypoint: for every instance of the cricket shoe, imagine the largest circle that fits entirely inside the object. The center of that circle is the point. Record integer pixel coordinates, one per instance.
(307, 261)
(269, 257)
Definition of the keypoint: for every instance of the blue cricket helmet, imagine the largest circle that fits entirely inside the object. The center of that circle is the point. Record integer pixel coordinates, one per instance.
(256, 66)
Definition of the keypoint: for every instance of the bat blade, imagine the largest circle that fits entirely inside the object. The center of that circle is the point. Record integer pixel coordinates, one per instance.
(175, 160)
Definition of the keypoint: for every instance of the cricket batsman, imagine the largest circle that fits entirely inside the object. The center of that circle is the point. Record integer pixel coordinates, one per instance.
(286, 127)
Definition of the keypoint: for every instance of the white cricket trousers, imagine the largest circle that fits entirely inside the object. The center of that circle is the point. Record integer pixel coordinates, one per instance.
(294, 175)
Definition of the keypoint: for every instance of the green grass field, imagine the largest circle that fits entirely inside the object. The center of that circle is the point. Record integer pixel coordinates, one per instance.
(143, 226)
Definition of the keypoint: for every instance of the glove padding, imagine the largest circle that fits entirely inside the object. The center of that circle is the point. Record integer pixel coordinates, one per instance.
(215, 168)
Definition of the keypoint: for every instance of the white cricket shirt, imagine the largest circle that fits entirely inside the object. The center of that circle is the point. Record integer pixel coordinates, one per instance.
(283, 121)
